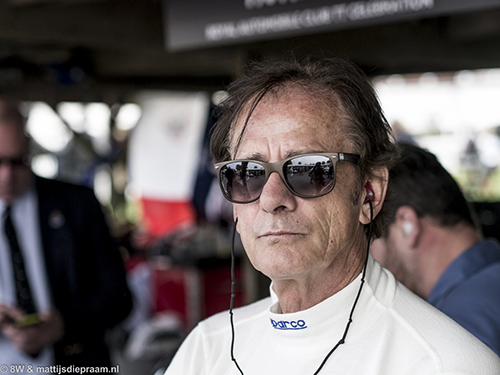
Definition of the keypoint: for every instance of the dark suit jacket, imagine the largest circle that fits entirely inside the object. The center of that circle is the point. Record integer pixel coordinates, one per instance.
(85, 271)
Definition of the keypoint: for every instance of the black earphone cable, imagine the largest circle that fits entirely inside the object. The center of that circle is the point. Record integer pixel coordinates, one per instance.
(233, 283)
(342, 340)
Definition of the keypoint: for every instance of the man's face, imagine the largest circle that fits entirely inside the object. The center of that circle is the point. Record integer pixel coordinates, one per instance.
(14, 178)
(285, 236)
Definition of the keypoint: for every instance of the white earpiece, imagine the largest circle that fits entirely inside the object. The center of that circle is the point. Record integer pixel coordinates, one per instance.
(407, 228)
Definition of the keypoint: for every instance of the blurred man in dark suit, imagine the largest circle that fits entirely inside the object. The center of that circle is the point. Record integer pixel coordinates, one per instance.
(67, 285)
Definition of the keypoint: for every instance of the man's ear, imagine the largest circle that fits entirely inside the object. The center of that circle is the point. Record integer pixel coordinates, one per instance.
(407, 224)
(374, 192)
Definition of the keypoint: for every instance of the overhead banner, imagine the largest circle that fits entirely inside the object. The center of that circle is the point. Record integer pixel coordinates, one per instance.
(191, 24)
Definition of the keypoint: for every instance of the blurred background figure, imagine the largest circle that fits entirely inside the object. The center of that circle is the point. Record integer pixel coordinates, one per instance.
(62, 280)
(481, 159)
(401, 134)
(434, 247)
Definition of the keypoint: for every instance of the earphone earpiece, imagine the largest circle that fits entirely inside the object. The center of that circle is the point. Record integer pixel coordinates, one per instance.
(369, 196)
(407, 228)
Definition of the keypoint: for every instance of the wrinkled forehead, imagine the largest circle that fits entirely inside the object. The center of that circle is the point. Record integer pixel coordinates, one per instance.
(293, 97)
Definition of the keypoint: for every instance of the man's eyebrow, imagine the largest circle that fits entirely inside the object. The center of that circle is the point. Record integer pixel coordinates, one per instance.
(314, 151)
(289, 154)
(303, 152)
(256, 157)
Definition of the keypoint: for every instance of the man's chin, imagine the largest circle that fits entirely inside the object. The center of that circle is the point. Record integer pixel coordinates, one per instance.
(280, 270)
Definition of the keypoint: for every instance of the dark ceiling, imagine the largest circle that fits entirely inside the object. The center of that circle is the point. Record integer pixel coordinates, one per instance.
(104, 50)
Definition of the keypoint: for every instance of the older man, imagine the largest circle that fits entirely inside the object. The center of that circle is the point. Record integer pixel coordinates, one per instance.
(434, 248)
(332, 309)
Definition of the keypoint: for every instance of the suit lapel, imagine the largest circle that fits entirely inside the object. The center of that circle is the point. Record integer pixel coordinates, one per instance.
(57, 242)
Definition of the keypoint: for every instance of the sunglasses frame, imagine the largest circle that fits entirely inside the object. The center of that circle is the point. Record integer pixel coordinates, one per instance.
(278, 168)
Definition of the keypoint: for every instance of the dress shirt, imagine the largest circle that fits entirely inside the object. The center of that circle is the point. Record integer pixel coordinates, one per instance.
(468, 291)
(25, 219)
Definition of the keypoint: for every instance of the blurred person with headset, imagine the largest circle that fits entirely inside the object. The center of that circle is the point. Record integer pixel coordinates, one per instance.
(434, 246)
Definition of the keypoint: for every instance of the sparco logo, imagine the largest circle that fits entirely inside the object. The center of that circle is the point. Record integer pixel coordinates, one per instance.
(285, 325)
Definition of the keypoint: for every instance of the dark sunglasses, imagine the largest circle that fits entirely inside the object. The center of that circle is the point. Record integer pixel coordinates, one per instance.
(307, 175)
(17, 161)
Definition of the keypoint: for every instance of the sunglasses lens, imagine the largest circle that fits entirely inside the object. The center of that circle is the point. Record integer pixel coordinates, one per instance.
(311, 175)
(242, 181)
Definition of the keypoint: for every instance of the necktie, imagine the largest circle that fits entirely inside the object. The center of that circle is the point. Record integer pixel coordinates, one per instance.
(23, 291)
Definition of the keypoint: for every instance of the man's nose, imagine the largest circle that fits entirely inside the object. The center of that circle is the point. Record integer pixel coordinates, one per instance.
(276, 196)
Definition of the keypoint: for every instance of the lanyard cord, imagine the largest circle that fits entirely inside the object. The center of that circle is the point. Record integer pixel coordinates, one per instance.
(342, 340)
